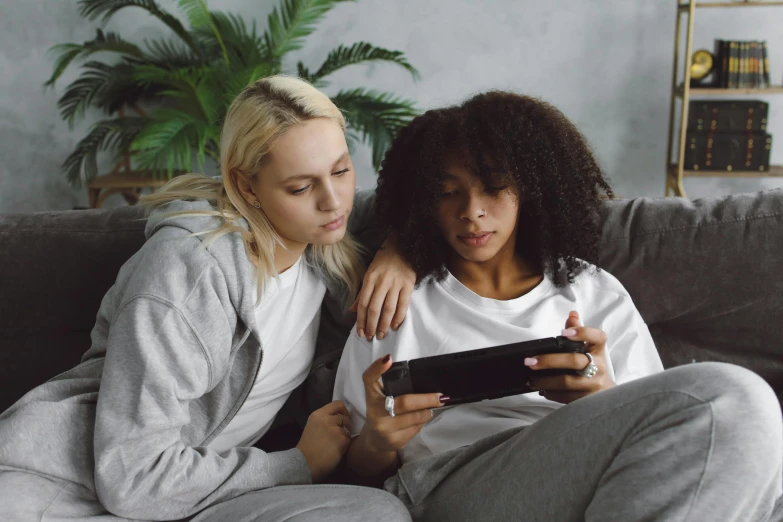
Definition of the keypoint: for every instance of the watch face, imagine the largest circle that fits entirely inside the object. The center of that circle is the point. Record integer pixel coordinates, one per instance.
(701, 65)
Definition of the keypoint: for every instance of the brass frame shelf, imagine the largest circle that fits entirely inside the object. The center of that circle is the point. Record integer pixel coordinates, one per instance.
(675, 171)
(721, 91)
(731, 4)
(774, 171)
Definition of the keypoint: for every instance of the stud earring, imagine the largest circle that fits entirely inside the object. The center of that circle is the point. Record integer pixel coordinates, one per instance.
(256, 203)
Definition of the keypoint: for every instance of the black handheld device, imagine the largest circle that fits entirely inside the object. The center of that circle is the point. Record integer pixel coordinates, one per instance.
(476, 375)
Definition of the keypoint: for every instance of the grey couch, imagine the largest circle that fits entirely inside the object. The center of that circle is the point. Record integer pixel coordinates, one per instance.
(707, 276)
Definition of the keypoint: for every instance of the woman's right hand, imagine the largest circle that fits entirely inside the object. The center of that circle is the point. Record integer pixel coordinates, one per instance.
(325, 439)
(383, 433)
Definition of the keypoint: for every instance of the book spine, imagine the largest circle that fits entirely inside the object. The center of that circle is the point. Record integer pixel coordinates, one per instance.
(724, 72)
(743, 82)
(744, 68)
(765, 59)
(759, 66)
(733, 64)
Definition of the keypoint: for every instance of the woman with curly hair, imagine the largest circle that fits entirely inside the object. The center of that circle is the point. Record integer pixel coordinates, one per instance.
(495, 203)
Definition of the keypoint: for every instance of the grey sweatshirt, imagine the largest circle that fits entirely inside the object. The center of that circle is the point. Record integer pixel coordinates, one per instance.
(175, 351)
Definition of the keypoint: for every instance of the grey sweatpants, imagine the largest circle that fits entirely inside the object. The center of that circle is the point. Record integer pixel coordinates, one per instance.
(25, 497)
(700, 442)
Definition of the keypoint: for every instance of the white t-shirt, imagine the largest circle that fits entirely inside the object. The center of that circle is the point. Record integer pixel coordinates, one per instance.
(447, 317)
(287, 317)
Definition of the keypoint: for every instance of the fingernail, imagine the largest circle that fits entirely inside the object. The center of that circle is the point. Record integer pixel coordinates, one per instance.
(360, 332)
(381, 335)
(568, 332)
(395, 325)
(370, 337)
(443, 399)
(386, 358)
(531, 361)
(573, 313)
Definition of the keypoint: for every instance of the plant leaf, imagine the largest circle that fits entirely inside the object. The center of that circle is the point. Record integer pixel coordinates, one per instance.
(105, 9)
(117, 134)
(196, 89)
(81, 92)
(103, 42)
(235, 81)
(291, 22)
(242, 43)
(375, 116)
(170, 54)
(200, 18)
(361, 52)
(167, 143)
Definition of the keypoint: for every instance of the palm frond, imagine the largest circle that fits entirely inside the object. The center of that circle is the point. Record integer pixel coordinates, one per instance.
(305, 73)
(199, 17)
(195, 89)
(242, 43)
(106, 87)
(170, 140)
(123, 90)
(81, 92)
(170, 54)
(361, 52)
(288, 26)
(65, 54)
(103, 42)
(118, 133)
(105, 9)
(236, 80)
(182, 78)
(376, 116)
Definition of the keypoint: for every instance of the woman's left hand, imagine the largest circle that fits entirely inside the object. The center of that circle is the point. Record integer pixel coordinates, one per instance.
(568, 388)
(386, 293)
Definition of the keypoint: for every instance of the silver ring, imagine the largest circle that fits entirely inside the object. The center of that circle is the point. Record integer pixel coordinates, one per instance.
(591, 370)
(389, 405)
(342, 420)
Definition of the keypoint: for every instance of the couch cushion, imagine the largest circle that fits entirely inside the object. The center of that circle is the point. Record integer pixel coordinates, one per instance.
(56, 268)
(706, 276)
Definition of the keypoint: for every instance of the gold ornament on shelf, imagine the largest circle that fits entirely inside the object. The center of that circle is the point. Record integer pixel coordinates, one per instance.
(701, 64)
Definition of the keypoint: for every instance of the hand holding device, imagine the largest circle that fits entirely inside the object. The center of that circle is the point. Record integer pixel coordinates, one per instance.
(476, 375)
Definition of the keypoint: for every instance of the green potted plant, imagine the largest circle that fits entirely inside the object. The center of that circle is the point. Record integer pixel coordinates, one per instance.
(165, 99)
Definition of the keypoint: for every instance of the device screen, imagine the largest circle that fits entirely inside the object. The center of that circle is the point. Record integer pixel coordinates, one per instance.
(473, 378)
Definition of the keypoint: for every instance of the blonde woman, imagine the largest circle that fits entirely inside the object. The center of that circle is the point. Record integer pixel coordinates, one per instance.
(206, 332)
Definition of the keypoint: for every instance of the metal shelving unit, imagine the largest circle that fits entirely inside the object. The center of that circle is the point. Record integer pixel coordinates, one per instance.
(675, 171)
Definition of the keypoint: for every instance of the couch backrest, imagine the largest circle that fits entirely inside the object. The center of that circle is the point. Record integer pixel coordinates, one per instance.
(55, 268)
(705, 275)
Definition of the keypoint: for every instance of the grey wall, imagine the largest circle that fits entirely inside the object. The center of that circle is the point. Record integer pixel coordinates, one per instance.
(605, 63)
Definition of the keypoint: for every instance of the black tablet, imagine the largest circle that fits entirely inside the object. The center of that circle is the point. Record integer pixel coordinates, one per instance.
(476, 375)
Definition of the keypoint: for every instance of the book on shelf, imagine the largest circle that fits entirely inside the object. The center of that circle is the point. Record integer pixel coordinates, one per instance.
(765, 59)
(728, 134)
(740, 64)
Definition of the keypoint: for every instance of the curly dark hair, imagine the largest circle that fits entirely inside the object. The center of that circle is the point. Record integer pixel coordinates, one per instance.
(546, 162)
